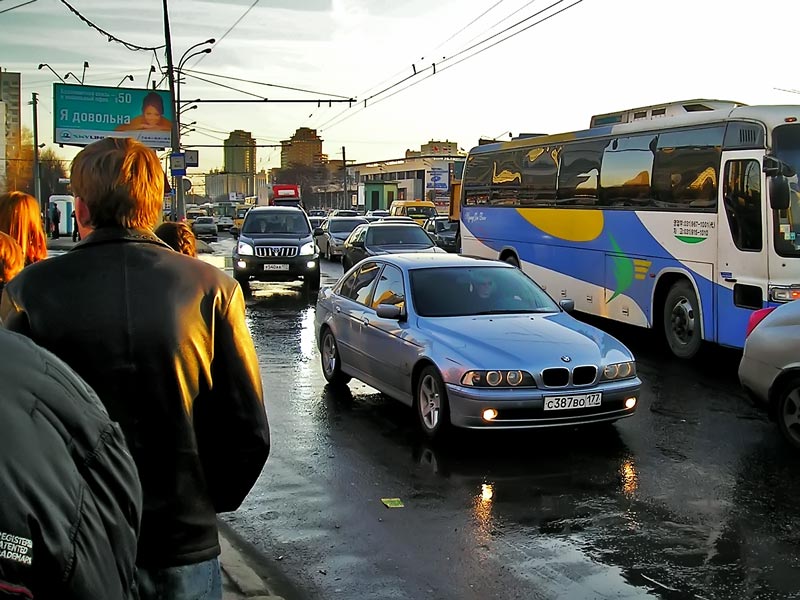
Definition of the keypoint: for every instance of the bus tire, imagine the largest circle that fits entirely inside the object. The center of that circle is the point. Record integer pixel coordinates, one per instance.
(682, 325)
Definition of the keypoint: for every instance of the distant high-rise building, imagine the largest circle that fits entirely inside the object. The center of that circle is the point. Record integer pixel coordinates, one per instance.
(240, 157)
(303, 148)
(10, 95)
(3, 157)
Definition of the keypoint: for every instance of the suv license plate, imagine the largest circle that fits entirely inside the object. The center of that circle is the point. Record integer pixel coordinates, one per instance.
(570, 402)
(276, 267)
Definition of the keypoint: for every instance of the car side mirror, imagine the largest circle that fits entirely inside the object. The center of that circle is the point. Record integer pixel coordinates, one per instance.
(234, 232)
(567, 305)
(318, 231)
(778, 188)
(390, 311)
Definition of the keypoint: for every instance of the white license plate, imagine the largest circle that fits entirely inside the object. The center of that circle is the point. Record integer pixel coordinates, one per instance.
(276, 267)
(570, 402)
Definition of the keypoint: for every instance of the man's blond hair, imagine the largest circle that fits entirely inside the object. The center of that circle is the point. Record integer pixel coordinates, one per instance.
(121, 182)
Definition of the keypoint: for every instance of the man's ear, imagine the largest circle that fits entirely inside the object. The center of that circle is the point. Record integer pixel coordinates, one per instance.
(82, 212)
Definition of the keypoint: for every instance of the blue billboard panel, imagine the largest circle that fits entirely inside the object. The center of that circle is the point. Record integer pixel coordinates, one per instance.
(83, 114)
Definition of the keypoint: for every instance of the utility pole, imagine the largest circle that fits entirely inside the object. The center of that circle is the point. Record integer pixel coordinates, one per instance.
(344, 170)
(176, 142)
(37, 180)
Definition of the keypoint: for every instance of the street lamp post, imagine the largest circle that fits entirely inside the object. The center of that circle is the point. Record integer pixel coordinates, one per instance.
(42, 65)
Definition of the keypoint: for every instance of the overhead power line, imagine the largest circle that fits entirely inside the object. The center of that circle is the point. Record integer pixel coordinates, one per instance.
(275, 85)
(231, 28)
(479, 17)
(111, 37)
(336, 121)
(5, 10)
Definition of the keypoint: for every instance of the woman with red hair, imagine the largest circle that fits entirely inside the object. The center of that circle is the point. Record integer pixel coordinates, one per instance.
(20, 218)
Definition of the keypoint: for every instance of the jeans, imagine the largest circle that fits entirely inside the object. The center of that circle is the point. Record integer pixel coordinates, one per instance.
(201, 581)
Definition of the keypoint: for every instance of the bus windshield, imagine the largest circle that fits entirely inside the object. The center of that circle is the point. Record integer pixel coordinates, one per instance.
(786, 140)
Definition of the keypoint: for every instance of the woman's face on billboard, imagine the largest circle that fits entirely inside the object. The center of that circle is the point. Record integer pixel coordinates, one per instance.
(151, 116)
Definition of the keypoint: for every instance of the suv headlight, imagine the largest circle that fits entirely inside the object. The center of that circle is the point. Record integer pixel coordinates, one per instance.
(623, 370)
(244, 249)
(307, 249)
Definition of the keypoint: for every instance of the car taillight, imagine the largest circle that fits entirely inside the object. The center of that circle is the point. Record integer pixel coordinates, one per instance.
(756, 318)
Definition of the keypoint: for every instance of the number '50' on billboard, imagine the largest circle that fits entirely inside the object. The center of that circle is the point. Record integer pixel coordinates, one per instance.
(84, 114)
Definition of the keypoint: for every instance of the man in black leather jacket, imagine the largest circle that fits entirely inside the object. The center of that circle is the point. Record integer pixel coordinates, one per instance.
(162, 339)
(71, 499)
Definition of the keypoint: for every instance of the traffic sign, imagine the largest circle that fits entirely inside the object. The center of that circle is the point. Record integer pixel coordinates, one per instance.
(177, 164)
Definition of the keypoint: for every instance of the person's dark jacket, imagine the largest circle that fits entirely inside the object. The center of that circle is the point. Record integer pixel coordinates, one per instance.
(71, 499)
(162, 339)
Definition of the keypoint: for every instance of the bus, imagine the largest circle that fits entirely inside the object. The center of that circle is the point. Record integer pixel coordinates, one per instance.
(682, 217)
(225, 212)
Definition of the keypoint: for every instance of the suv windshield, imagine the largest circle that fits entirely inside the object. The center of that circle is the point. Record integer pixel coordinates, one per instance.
(397, 236)
(786, 141)
(276, 222)
(345, 226)
(421, 212)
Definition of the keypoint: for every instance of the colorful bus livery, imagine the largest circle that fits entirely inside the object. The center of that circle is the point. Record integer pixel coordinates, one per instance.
(683, 217)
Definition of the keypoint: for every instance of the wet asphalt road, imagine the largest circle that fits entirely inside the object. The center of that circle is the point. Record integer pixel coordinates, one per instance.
(693, 497)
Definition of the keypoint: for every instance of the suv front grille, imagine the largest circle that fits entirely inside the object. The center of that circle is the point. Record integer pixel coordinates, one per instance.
(276, 251)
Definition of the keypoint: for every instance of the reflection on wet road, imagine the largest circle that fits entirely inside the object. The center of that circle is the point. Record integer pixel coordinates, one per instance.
(693, 497)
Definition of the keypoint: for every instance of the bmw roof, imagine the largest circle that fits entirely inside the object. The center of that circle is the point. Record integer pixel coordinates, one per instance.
(417, 260)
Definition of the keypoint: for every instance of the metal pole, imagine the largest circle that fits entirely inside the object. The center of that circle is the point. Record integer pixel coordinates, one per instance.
(176, 142)
(344, 171)
(37, 181)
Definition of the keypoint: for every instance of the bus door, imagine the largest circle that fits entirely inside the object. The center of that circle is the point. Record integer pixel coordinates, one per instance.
(743, 245)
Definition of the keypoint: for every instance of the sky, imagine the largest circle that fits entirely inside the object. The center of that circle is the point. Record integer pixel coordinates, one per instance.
(596, 56)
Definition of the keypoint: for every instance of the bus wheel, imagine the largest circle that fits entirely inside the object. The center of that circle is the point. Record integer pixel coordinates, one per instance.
(512, 260)
(682, 320)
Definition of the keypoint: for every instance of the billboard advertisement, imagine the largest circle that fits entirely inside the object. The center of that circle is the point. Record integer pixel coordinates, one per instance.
(83, 114)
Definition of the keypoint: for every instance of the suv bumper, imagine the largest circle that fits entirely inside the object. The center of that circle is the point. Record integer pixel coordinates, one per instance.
(275, 269)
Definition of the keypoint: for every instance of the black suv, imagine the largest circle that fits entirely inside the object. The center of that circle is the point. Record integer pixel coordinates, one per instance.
(276, 243)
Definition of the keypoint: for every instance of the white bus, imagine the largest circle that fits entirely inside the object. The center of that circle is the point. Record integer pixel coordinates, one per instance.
(683, 217)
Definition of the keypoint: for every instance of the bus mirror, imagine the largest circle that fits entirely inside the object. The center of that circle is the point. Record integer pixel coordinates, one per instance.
(778, 187)
(774, 166)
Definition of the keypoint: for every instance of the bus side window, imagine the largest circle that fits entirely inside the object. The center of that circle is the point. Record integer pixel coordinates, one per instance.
(742, 197)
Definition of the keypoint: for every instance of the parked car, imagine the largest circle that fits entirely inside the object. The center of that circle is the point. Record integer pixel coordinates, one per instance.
(374, 239)
(471, 343)
(332, 234)
(770, 367)
(444, 232)
(204, 228)
(276, 244)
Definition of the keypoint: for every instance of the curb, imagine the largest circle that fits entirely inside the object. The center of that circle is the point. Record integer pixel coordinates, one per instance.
(243, 577)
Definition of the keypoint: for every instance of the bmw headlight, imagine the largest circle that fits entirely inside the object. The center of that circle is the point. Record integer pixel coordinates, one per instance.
(307, 249)
(244, 249)
(623, 370)
(503, 379)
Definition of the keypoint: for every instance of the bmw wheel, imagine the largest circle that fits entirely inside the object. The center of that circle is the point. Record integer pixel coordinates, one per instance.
(331, 362)
(431, 403)
(787, 412)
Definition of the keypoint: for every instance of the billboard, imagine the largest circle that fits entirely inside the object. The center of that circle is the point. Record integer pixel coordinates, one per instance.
(83, 114)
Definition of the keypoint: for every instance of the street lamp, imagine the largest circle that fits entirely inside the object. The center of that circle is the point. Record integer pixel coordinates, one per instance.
(124, 79)
(41, 65)
(152, 70)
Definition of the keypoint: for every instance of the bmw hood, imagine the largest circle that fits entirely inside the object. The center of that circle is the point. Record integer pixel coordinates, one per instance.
(524, 341)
